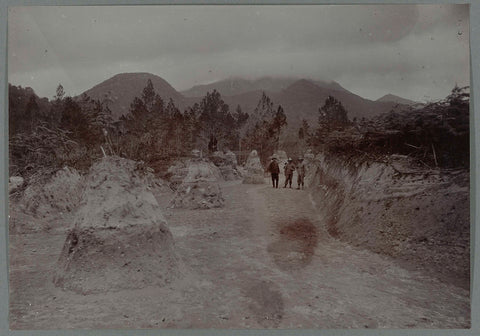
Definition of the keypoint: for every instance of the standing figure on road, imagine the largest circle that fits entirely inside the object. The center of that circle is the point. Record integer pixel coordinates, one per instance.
(301, 170)
(289, 169)
(274, 170)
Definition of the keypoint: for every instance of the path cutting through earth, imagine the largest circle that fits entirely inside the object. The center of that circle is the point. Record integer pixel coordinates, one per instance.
(263, 261)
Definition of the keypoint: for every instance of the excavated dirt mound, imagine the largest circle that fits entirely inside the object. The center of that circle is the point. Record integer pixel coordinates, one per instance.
(229, 173)
(254, 170)
(120, 239)
(199, 189)
(227, 164)
(227, 158)
(201, 170)
(199, 195)
(62, 192)
(46, 196)
(177, 172)
(231, 158)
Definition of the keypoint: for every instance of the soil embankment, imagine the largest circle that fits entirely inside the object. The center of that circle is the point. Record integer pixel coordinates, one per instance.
(419, 217)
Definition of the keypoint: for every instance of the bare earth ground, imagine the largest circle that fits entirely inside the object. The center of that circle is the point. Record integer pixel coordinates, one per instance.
(262, 261)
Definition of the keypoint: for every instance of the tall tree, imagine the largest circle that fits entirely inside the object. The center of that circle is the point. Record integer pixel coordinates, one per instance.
(148, 95)
(264, 109)
(240, 116)
(31, 112)
(158, 106)
(332, 117)
(264, 135)
(59, 93)
(74, 120)
(304, 130)
(138, 115)
(333, 112)
(215, 120)
(278, 122)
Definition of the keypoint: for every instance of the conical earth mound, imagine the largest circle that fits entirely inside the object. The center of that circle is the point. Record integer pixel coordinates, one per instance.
(254, 169)
(120, 239)
(199, 189)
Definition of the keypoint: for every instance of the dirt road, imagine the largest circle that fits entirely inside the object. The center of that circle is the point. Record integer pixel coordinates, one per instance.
(262, 261)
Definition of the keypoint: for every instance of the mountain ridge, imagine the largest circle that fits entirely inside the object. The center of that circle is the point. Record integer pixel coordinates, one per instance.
(300, 99)
(238, 85)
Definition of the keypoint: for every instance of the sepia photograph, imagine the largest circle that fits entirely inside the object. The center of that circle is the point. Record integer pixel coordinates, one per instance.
(239, 167)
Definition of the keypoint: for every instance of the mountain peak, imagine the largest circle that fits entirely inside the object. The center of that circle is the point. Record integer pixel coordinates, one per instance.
(122, 88)
(304, 85)
(395, 99)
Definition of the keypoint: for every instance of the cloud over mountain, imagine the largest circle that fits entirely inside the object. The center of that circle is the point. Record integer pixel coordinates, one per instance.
(415, 51)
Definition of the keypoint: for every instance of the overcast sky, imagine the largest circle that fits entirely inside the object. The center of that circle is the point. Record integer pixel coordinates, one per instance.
(417, 52)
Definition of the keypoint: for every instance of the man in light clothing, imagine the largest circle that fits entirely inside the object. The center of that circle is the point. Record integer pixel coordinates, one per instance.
(301, 170)
(289, 169)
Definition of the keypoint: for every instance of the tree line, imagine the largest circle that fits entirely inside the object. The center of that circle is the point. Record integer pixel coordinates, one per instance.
(436, 134)
(76, 131)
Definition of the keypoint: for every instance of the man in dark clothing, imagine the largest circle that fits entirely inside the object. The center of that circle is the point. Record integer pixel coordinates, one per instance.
(289, 169)
(274, 170)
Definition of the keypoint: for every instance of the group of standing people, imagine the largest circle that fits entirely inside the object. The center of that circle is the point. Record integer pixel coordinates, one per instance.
(288, 170)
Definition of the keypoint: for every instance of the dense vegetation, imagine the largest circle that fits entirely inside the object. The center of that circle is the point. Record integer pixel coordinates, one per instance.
(75, 131)
(435, 135)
